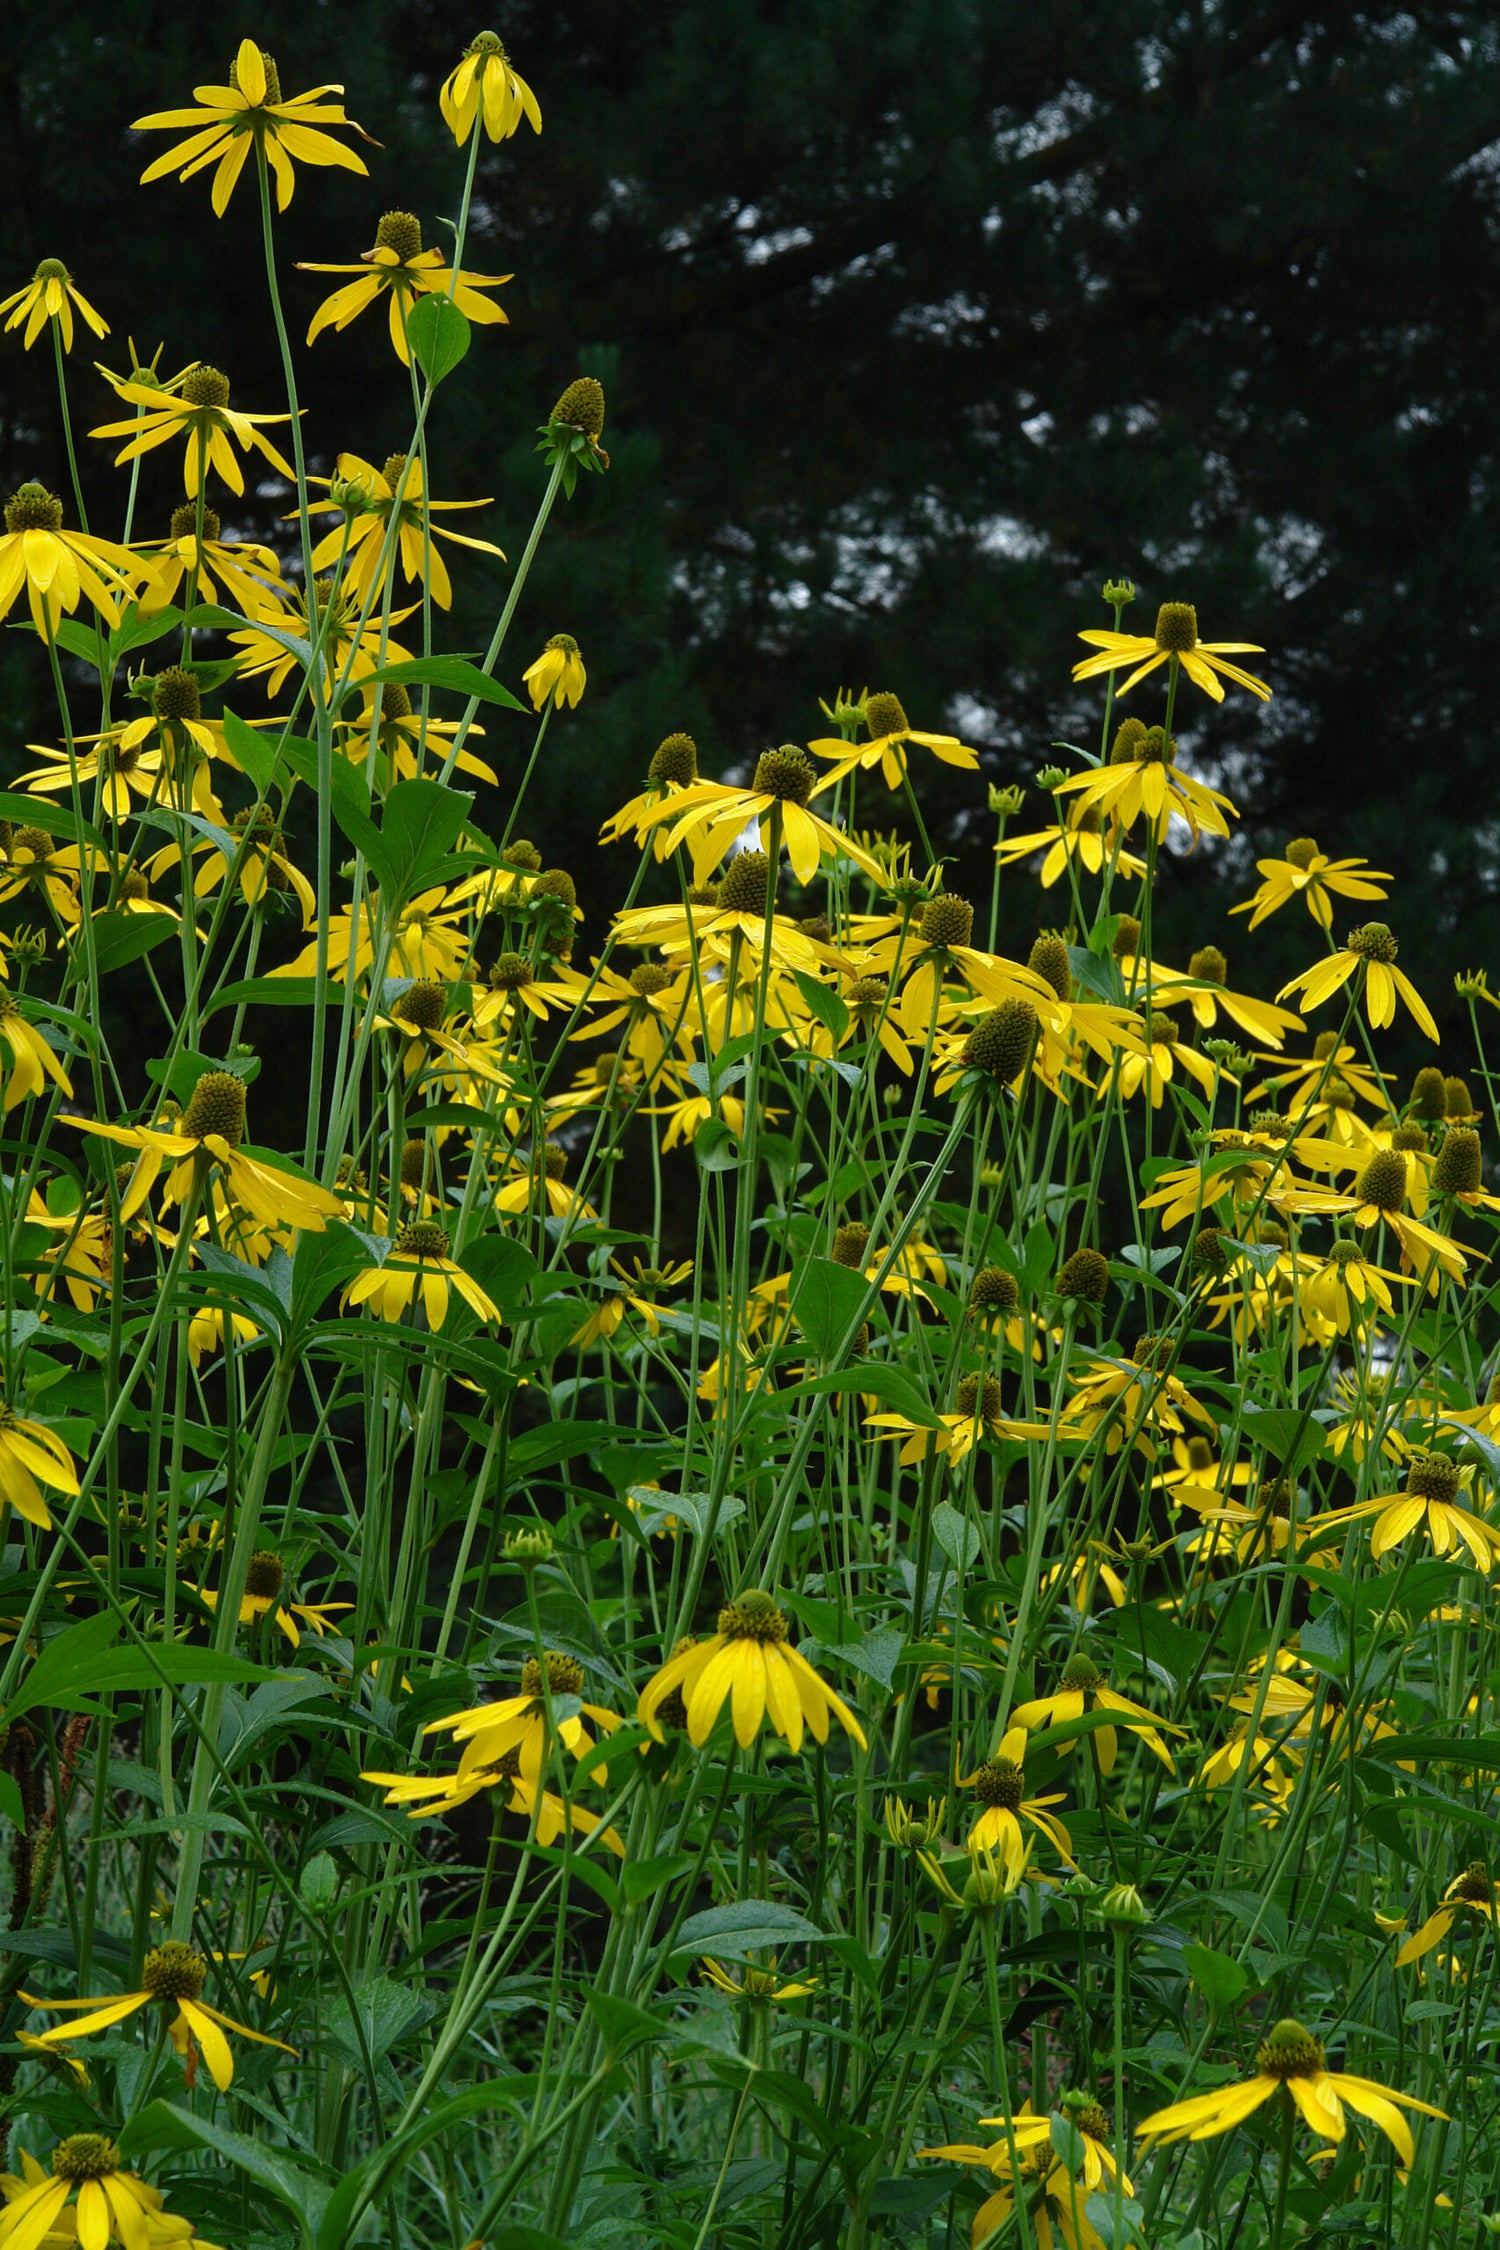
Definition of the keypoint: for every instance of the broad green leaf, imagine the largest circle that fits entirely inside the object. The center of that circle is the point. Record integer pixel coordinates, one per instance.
(624, 2025)
(86, 1659)
(748, 1926)
(824, 1004)
(639, 1878)
(55, 820)
(439, 336)
(958, 1538)
(121, 938)
(283, 2173)
(1219, 1978)
(273, 992)
(1294, 1439)
(455, 672)
(826, 1301)
(715, 1146)
(410, 850)
(881, 1379)
(181, 1074)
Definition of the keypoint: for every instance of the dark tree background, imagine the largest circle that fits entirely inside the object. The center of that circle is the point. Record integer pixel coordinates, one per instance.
(918, 319)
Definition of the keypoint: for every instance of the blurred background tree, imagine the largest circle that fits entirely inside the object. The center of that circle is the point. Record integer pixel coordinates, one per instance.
(918, 319)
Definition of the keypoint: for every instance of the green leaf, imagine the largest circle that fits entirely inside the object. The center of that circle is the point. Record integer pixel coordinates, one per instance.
(409, 851)
(1295, 1439)
(281, 2172)
(882, 1379)
(746, 1927)
(387, 2013)
(826, 1301)
(1067, 2143)
(253, 752)
(320, 1883)
(624, 2025)
(439, 336)
(640, 1878)
(454, 672)
(715, 1146)
(55, 820)
(120, 938)
(1220, 1979)
(80, 1662)
(824, 1004)
(182, 1073)
(273, 992)
(958, 1538)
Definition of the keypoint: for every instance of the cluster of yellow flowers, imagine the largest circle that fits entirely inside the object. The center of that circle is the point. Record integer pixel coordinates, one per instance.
(1060, 1339)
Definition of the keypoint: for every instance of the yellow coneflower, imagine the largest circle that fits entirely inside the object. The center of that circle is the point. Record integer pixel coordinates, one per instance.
(265, 1582)
(26, 1060)
(1471, 1892)
(60, 568)
(31, 1456)
(50, 295)
(200, 413)
(557, 677)
(208, 1138)
(173, 1976)
(999, 1787)
(890, 731)
(365, 541)
(419, 1269)
(111, 2205)
(1290, 2062)
(747, 1663)
(1309, 874)
(484, 86)
(249, 113)
(1084, 1687)
(1176, 636)
(1373, 946)
(400, 268)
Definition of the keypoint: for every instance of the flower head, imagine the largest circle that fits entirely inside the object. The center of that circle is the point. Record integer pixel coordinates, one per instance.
(1290, 2058)
(249, 113)
(50, 295)
(747, 1663)
(483, 85)
(1174, 641)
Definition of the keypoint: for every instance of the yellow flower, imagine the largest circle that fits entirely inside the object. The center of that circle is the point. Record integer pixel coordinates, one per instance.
(610, 1314)
(1054, 2196)
(1373, 946)
(400, 267)
(267, 652)
(419, 1266)
(1291, 2059)
(890, 731)
(711, 814)
(557, 676)
(30, 1456)
(249, 113)
(1430, 1496)
(369, 553)
(57, 567)
(483, 85)
(201, 415)
(26, 1060)
(976, 1414)
(1082, 838)
(211, 1129)
(1084, 1686)
(1000, 1788)
(762, 1985)
(264, 1581)
(112, 2205)
(1304, 870)
(1472, 1892)
(1176, 637)
(248, 575)
(50, 295)
(1149, 781)
(519, 1722)
(747, 1663)
(173, 1976)
(1349, 1289)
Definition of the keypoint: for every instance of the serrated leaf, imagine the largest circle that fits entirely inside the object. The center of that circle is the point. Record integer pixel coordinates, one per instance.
(958, 1538)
